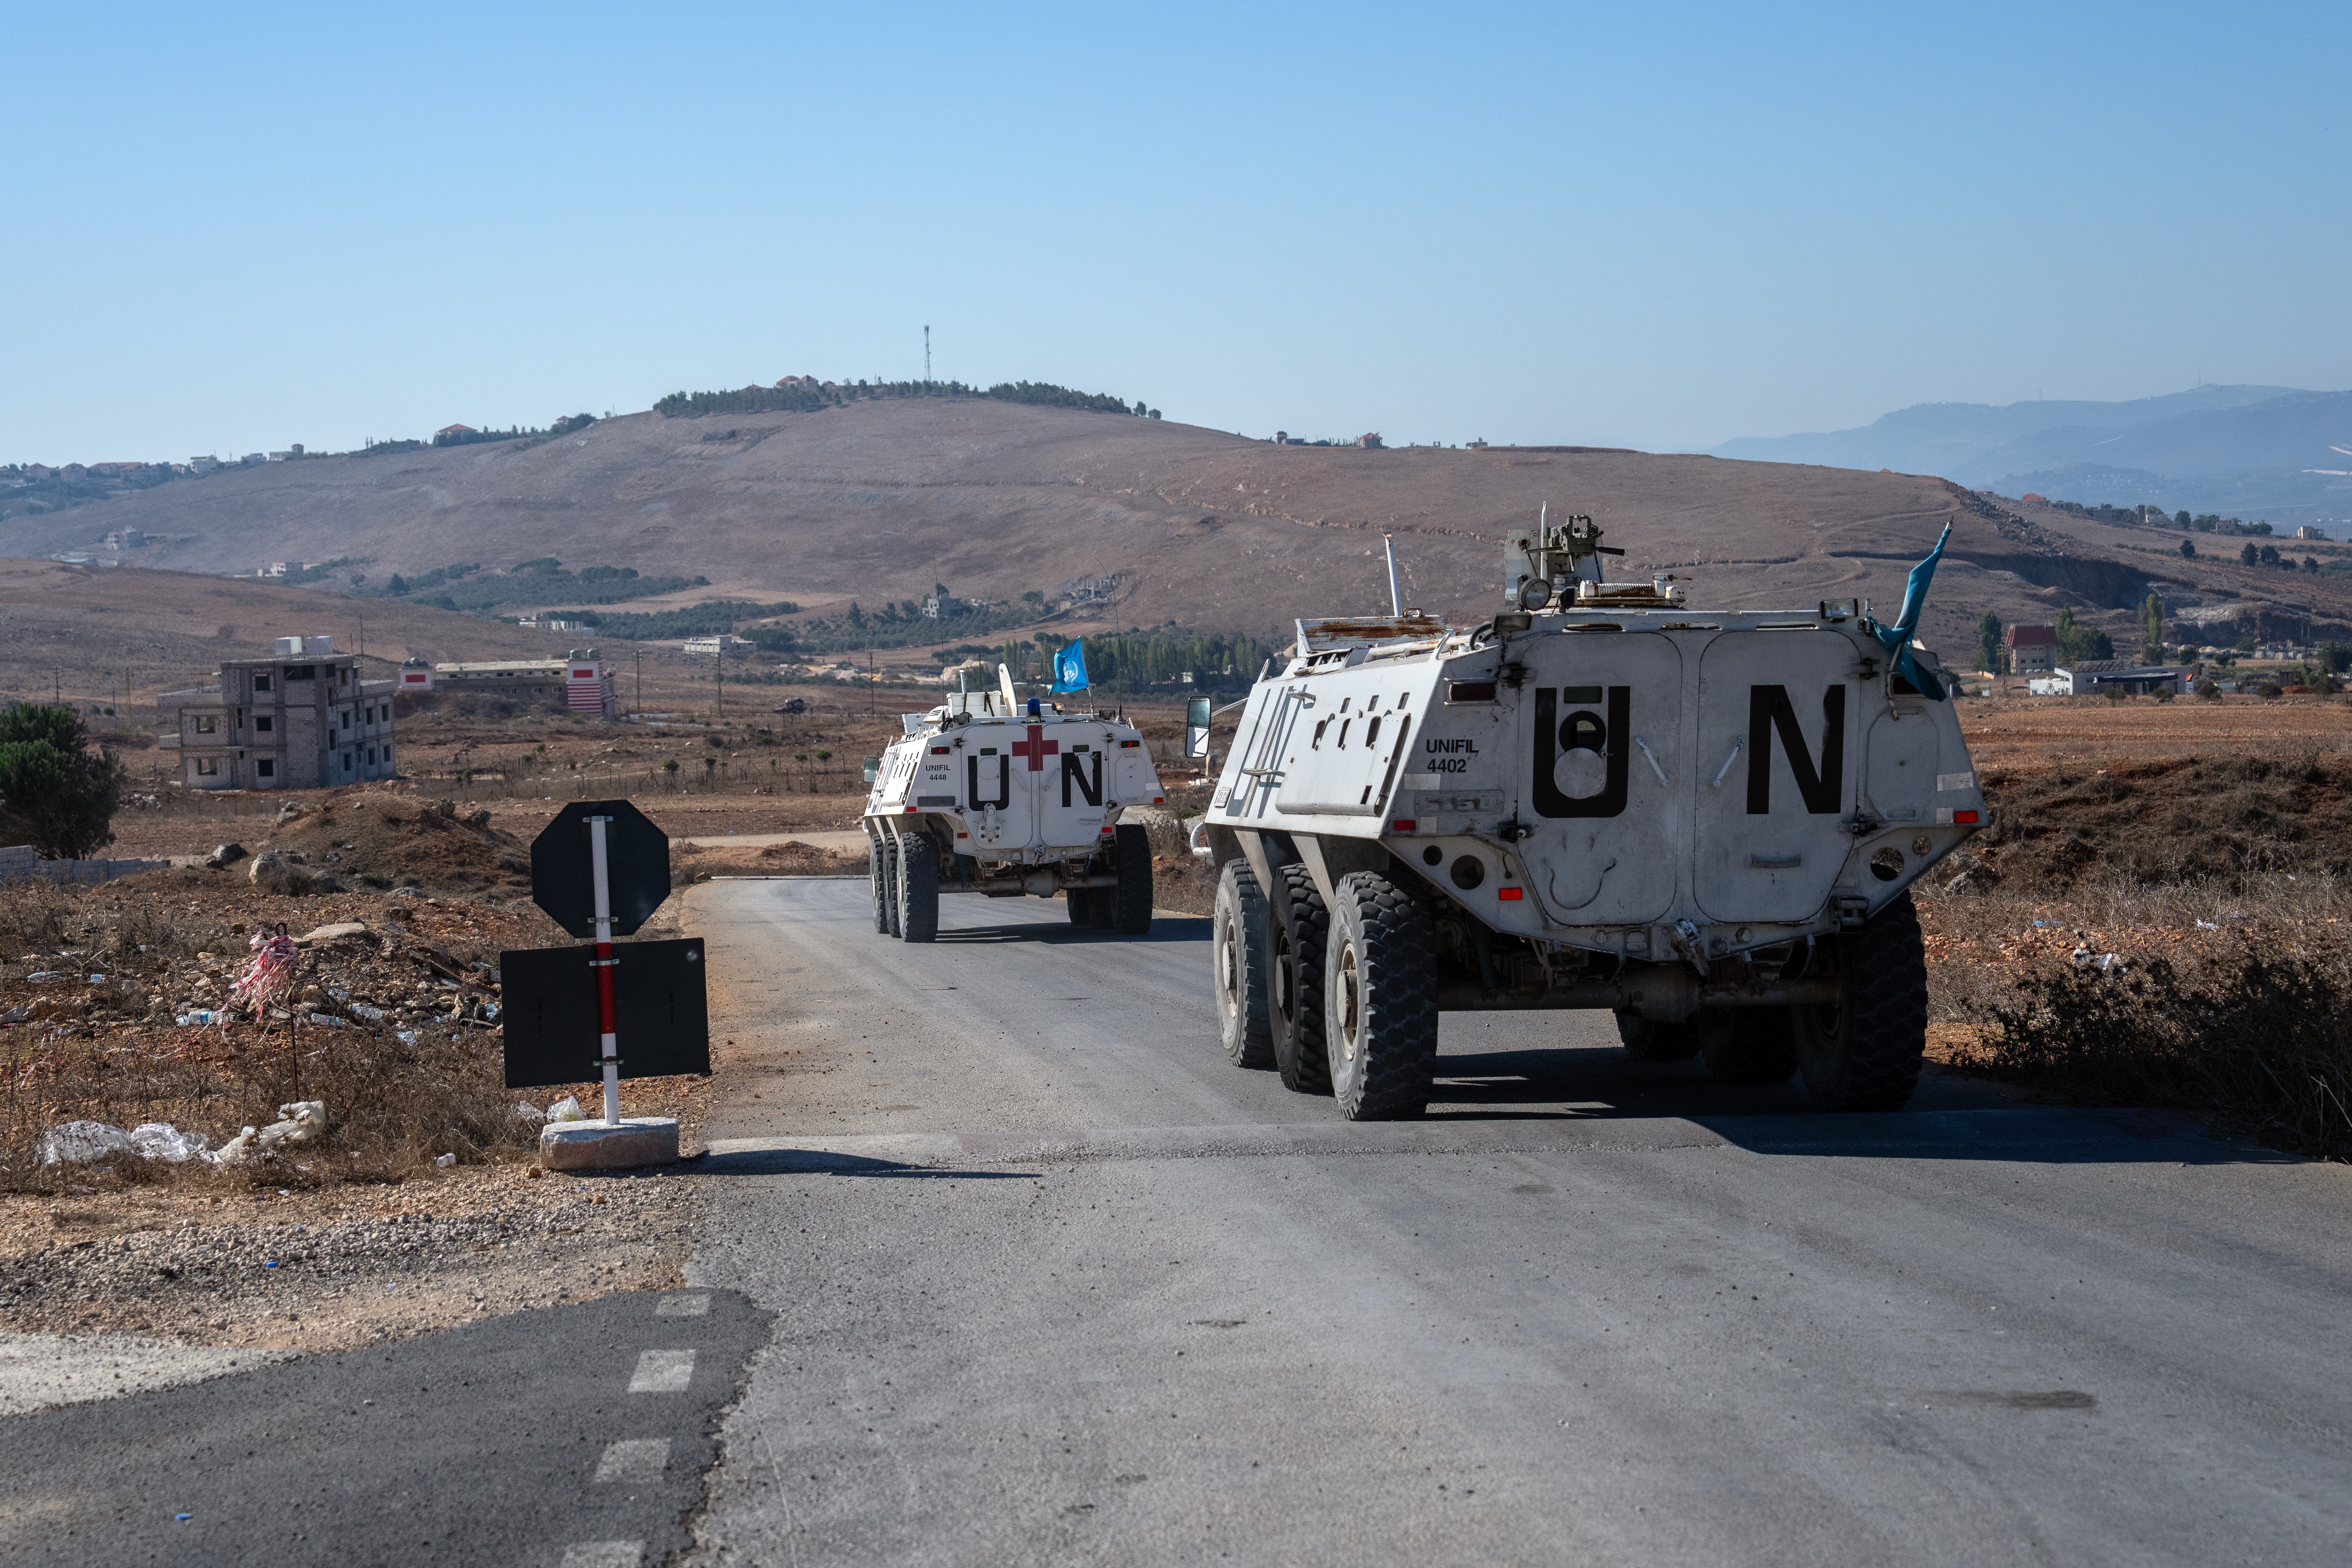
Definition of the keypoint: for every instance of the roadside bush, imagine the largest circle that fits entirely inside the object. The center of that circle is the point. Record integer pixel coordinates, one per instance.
(2251, 1031)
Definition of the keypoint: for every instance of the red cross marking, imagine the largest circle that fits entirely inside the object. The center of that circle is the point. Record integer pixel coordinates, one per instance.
(1037, 748)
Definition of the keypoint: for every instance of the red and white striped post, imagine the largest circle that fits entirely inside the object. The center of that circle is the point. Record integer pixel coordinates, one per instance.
(603, 961)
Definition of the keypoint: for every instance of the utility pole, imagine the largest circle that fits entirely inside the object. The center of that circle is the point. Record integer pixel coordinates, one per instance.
(640, 700)
(927, 356)
(719, 664)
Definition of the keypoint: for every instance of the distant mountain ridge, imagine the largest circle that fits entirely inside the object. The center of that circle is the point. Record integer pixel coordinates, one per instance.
(2265, 447)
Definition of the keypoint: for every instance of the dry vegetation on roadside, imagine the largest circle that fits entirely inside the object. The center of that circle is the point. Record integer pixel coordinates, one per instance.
(2172, 932)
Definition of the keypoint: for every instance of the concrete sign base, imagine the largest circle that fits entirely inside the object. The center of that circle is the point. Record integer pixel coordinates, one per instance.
(602, 1146)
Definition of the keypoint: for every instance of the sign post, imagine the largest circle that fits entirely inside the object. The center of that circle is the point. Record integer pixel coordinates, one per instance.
(601, 871)
(610, 890)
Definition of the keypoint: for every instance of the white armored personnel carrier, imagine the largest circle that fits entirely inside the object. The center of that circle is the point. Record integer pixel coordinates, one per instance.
(992, 795)
(1601, 798)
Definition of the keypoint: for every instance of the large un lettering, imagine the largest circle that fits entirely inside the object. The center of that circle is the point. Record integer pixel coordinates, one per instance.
(1581, 757)
(1769, 712)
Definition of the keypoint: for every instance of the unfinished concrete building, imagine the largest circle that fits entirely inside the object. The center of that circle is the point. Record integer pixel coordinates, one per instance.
(300, 718)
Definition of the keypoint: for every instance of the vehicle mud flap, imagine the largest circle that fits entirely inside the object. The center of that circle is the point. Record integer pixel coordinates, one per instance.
(1380, 983)
(1237, 949)
(1648, 1041)
(1746, 1045)
(1131, 859)
(1294, 973)
(918, 890)
(890, 884)
(1862, 1052)
(876, 868)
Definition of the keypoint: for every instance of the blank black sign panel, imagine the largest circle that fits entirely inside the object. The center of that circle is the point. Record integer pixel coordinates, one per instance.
(661, 1011)
(636, 868)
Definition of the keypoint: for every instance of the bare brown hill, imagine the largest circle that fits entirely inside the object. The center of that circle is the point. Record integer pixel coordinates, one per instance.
(880, 500)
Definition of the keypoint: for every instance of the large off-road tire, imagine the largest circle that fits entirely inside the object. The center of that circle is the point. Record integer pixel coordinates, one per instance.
(890, 884)
(918, 890)
(876, 865)
(1082, 902)
(1379, 986)
(1293, 971)
(1131, 858)
(1648, 1041)
(1237, 948)
(1746, 1045)
(1862, 1051)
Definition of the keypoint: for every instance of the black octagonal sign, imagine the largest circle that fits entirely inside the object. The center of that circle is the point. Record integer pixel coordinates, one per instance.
(636, 859)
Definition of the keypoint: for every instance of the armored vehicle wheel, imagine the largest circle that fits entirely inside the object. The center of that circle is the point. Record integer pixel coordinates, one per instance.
(1380, 982)
(874, 868)
(1237, 948)
(1082, 905)
(1102, 906)
(1294, 973)
(1645, 1041)
(890, 884)
(918, 890)
(1130, 857)
(1862, 1051)
(1746, 1045)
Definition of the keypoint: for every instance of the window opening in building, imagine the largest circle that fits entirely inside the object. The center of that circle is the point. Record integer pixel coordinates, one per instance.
(262, 723)
(301, 672)
(205, 724)
(208, 766)
(261, 683)
(268, 769)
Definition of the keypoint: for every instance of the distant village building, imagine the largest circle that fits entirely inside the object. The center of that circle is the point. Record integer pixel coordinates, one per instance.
(944, 606)
(577, 683)
(1085, 590)
(2032, 650)
(456, 430)
(2096, 677)
(1370, 441)
(712, 647)
(2311, 531)
(416, 675)
(125, 539)
(300, 718)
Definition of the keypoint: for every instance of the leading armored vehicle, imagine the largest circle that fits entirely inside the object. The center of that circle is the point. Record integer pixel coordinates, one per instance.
(1603, 797)
(988, 793)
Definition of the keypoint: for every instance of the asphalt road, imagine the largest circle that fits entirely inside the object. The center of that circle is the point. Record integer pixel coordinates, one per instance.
(568, 1437)
(1054, 1283)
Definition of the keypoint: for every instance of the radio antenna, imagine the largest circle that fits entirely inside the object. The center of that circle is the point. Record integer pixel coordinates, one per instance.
(1396, 600)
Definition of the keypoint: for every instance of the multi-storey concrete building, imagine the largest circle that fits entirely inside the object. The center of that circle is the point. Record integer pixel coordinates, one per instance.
(301, 718)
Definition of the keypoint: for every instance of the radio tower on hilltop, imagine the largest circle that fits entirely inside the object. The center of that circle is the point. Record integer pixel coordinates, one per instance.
(927, 356)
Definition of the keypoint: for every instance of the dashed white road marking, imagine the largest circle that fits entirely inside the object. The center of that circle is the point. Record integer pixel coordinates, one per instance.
(634, 1459)
(604, 1554)
(695, 1305)
(662, 1372)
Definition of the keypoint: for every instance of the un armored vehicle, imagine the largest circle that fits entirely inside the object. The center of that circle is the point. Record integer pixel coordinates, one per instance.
(989, 795)
(1601, 798)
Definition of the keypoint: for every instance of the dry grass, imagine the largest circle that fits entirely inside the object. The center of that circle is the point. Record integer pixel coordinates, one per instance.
(2228, 996)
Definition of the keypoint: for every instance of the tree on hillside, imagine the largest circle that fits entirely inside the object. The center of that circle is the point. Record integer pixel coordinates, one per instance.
(2250, 555)
(2077, 642)
(54, 793)
(2151, 615)
(1989, 642)
(2189, 550)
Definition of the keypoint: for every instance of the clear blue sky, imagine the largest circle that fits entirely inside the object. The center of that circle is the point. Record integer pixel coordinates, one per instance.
(233, 228)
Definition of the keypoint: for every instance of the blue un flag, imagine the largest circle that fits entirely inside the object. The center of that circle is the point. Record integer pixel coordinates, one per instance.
(1070, 669)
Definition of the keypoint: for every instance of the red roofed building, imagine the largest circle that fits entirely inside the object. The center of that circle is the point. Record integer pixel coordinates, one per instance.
(456, 430)
(2032, 650)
